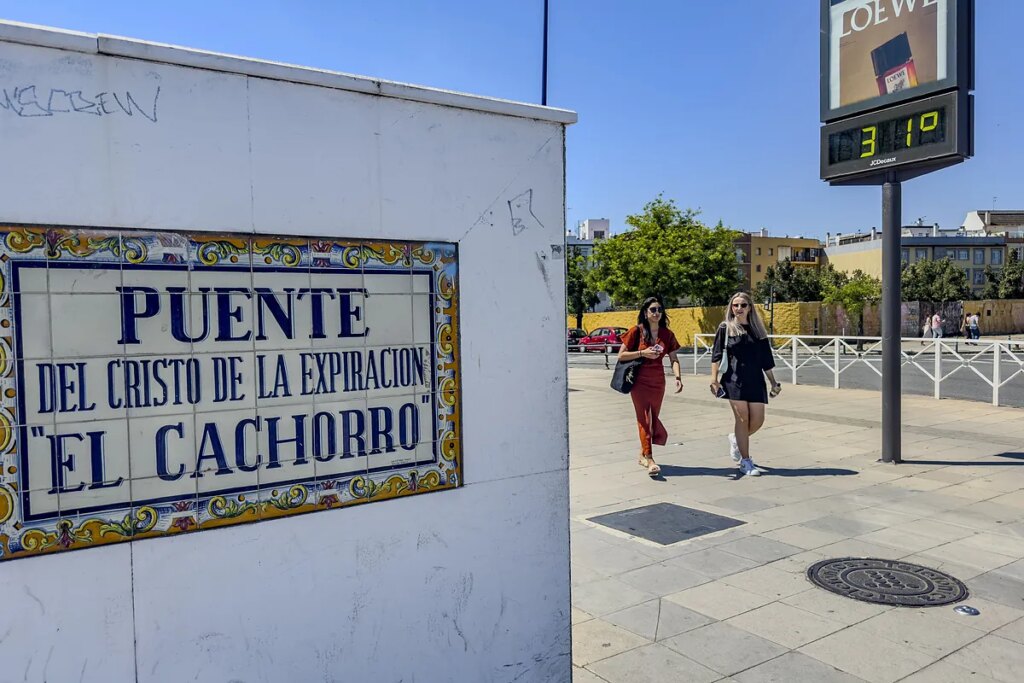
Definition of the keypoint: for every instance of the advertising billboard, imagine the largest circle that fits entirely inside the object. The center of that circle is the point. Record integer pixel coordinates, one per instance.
(882, 52)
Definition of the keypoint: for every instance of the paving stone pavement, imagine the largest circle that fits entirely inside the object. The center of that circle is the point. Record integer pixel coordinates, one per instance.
(736, 605)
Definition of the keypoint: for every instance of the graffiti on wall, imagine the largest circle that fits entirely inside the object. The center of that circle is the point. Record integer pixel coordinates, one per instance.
(160, 383)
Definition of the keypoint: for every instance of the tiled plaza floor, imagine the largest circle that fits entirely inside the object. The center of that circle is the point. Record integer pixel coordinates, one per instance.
(736, 606)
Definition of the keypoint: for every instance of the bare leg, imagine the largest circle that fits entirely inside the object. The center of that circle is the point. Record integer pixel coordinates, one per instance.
(741, 412)
(756, 412)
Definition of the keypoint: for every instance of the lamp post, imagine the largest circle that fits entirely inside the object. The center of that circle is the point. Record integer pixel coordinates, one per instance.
(770, 304)
(544, 61)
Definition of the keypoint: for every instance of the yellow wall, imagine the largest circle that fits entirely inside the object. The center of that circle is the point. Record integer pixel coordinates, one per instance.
(869, 260)
(997, 317)
(685, 322)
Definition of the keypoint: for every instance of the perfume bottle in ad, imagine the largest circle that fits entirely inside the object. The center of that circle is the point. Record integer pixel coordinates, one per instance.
(894, 65)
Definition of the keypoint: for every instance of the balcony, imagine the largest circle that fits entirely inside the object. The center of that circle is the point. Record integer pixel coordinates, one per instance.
(804, 256)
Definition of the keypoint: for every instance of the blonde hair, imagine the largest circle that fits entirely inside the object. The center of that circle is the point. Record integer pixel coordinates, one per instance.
(753, 318)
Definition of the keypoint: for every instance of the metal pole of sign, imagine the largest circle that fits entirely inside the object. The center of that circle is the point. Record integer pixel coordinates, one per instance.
(544, 65)
(892, 212)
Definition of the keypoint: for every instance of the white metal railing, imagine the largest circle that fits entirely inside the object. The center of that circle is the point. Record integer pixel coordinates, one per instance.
(938, 359)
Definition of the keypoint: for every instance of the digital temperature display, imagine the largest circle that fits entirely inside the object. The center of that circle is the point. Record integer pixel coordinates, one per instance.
(906, 140)
(886, 137)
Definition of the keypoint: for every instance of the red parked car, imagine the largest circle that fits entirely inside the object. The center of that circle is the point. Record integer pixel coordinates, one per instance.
(603, 337)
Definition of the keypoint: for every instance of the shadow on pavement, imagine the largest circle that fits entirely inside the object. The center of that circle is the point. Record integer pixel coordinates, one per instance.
(806, 471)
(1014, 458)
(734, 474)
(677, 471)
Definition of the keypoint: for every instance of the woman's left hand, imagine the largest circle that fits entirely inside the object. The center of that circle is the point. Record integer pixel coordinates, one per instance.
(679, 385)
(776, 390)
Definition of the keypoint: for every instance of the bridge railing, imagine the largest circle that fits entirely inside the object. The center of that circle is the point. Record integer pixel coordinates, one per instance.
(995, 362)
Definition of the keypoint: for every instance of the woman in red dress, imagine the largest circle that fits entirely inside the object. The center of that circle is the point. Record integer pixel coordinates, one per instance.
(651, 340)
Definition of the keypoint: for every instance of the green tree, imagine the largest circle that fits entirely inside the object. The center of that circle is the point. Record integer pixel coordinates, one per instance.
(668, 253)
(940, 280)
(580, 297)
(1011, 279)
(991, 289)
(794, 283)
(854, 295)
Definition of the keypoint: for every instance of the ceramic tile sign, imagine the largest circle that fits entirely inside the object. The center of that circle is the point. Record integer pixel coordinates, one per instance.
(162, 383)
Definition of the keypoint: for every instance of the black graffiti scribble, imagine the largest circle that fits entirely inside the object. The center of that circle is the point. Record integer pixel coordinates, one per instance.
(521, 208)
(29, 101)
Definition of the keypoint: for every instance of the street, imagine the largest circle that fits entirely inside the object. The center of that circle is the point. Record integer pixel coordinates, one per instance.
(964, 383)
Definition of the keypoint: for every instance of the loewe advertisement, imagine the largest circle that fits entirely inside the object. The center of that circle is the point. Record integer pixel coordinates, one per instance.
(879, 47)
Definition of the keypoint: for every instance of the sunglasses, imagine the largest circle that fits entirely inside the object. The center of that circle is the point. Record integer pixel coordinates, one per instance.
(740, 305)
(654, 309)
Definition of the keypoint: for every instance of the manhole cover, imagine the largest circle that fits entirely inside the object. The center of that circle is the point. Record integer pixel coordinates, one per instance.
(887, 582)
(666, 523)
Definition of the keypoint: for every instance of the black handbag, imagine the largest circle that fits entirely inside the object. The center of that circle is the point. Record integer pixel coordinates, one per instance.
(625, 375)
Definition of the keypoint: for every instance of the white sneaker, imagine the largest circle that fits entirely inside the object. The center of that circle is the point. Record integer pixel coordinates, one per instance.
(734, 449)
(748, 468)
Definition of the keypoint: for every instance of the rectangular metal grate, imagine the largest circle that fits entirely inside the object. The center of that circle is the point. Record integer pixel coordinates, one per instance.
(666, 523)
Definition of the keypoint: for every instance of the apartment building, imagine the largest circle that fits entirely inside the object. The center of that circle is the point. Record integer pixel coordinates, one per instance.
(755, 251)
(971, 251)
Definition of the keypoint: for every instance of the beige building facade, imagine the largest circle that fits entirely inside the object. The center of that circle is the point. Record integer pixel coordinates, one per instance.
(971, 252)
(755, 252)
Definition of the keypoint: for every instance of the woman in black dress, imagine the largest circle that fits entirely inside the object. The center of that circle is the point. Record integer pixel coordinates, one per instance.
(743, 339)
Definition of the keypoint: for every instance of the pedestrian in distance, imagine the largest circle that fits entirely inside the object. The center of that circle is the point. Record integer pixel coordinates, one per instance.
(937, 321)
(743, 340)
(651, 340)
(974, 326)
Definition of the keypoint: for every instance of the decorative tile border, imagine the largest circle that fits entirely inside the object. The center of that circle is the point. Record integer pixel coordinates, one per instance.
(159, 383)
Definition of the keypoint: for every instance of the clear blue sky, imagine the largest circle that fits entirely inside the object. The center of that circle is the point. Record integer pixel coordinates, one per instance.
(714, 103)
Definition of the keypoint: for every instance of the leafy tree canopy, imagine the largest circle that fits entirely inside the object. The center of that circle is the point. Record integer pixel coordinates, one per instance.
(669, 253)
(1007, 283)
(940, 280)
(854, 294)
(796, 283)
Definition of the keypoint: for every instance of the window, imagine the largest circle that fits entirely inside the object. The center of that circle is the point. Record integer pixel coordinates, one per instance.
(979, 276)
(920, 254)
(997, 257)
(905, 255)
(740, 256)
(759, 267)
(759, 251)
(771, 251)
(979, 257)
(963, 254)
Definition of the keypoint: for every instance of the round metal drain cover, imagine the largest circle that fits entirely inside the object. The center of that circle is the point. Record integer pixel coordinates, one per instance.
(887, 582)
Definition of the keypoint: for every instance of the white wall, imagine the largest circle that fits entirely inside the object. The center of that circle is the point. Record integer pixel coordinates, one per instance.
(464, 585)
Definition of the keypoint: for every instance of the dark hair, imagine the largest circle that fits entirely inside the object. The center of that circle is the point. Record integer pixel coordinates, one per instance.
(641, 318)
